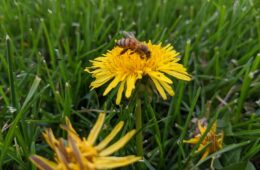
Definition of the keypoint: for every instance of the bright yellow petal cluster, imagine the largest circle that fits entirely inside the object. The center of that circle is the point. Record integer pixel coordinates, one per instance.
(82, 154)
(125, 69)
(212, 141)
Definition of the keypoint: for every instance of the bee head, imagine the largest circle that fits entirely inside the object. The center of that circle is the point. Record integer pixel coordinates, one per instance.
(146, 50)
(148, 54)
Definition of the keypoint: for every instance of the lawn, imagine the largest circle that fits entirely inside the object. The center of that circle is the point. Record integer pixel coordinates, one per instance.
(45, 46)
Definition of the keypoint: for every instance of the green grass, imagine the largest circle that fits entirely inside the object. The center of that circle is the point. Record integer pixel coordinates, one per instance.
(45, 45)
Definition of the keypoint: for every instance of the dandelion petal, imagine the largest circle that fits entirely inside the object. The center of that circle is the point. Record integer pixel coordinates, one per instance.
(130, 85)
(120, 92)
(111, 85)
(115, 162)
(118, 145)
(43, 163)
(111, 136)
(159, 88)
(96, 129)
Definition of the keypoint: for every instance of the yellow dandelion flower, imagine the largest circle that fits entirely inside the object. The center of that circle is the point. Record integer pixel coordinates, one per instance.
(212, 142)
(78, 153)
(125, 69)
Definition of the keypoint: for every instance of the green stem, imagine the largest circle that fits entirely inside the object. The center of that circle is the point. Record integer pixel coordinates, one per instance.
(10, 72)
(138, 124)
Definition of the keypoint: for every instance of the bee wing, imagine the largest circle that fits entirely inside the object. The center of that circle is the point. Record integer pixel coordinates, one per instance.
(128, 34)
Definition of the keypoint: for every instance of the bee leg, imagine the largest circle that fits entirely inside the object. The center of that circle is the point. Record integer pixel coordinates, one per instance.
(123, 51)
(135, 51)
(132, 52)
(141, 54)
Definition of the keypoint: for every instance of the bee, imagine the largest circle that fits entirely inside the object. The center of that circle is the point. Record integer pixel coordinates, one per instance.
(129, 42)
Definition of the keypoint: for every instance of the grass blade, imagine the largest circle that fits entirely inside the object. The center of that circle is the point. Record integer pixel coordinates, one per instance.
(14, 123)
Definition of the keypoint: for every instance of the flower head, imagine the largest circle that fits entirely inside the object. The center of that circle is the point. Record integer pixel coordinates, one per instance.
(212, 141)
(81, 153)
(125, 69)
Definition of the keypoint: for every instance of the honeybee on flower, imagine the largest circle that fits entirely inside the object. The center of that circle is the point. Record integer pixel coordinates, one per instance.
(122, 67)
(131, 43)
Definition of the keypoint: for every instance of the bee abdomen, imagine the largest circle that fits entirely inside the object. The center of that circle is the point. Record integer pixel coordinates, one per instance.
(120, 42)
(125, 42)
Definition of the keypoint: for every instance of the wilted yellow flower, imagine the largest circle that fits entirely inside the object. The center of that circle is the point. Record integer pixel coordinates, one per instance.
(212, 141)
(77, 153)
(125, 69)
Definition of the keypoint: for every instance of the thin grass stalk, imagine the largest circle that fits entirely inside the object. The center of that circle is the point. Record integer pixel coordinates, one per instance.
(138, 124)
(10, 72)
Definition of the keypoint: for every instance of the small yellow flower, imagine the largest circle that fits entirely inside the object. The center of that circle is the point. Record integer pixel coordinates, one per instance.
(77, 153)
(125, 69)
(212, 141)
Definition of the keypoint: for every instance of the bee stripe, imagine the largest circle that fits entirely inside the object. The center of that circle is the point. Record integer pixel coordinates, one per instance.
(120, 42)
(130, 43)
(126, 43)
